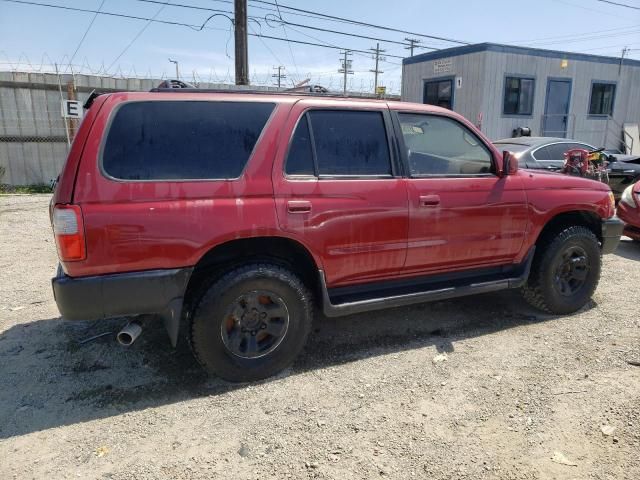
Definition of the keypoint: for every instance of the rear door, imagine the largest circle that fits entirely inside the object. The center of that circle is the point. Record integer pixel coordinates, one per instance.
(338, 189)
(462, 215)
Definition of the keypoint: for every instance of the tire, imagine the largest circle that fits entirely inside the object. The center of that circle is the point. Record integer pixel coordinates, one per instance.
(547, 287)
(251, 323)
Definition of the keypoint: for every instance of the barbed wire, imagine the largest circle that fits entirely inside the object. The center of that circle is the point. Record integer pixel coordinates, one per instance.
(47, 65)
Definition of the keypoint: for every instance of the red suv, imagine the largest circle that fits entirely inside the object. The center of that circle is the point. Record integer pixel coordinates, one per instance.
(240, 213)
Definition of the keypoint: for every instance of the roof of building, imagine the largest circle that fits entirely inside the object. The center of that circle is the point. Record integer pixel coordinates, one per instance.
(496, 47)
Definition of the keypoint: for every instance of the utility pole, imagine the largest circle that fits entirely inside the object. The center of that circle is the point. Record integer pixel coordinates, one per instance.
(346, 69)
(242, 55)
(624, 52)
(177, 71)
(280, 75)
(413, 43)
(376, 71)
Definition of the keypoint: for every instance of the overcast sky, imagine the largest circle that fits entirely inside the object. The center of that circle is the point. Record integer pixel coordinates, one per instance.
(34, 37)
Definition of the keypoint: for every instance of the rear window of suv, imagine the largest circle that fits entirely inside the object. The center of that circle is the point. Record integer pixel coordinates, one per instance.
(183, 140)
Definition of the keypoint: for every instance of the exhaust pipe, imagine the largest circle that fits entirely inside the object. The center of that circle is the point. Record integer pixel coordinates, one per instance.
(129, 333)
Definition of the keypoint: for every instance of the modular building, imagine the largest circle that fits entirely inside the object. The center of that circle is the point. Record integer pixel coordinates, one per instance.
(503, 88)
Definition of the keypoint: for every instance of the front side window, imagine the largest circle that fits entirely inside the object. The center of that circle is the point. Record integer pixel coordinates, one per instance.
(439, 92)
(345, 143)
(518, 96)
(183, 140)
(602, 98)
(441, 146)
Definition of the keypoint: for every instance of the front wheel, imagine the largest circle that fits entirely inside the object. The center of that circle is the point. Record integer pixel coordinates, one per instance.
(565, 271)
(251, 323)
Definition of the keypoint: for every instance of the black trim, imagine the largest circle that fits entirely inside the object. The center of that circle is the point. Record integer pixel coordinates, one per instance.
(611, 231)
(362, 298)
(123, 294)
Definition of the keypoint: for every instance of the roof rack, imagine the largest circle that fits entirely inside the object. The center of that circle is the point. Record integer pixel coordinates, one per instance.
(260, 92)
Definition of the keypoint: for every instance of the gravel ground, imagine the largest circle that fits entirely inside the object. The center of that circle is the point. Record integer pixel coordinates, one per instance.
(481, 387)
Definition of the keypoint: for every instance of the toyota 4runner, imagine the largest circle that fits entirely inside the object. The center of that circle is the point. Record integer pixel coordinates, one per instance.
(239, 214)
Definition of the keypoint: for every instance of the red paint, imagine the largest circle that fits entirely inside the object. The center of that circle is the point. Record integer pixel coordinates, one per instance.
(631, 215)
(356, 230)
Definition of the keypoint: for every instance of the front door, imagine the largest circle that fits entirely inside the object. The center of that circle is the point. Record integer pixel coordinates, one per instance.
(462, 215)
(556, 110)
(338, 190)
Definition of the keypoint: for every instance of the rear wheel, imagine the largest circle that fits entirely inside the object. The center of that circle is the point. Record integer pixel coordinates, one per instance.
(565, 271)
(251, 323)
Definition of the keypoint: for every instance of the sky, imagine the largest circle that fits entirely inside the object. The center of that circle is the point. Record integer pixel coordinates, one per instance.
(34, 38)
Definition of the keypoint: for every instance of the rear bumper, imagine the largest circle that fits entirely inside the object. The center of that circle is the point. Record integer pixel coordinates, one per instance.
(122, 294)
(611, 232)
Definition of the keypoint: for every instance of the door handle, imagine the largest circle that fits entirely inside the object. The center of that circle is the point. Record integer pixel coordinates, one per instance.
(298, 206)
(429, 200)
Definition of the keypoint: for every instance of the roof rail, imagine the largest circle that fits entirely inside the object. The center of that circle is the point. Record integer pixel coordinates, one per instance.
(261, 92)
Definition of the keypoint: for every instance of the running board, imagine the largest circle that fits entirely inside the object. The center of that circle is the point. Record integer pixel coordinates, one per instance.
(518, 276)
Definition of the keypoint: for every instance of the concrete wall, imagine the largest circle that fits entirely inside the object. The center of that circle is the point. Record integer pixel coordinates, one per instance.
(483, 76)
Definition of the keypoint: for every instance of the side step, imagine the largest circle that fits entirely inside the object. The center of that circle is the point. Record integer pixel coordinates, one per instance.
(349, 300)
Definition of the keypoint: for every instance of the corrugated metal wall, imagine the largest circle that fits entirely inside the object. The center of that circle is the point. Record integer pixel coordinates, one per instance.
(33, 141)
(483, 77)
(467, 99)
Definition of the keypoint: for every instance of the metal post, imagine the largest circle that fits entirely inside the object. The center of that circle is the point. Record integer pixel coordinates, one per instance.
(413, 42)
(624, 52)
(66, 129)
(376, 71)
(177, 71)
(241, 49)
(345, 70)
(279, 76)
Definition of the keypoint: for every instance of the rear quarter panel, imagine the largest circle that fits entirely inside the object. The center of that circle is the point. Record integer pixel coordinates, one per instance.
(141, 225)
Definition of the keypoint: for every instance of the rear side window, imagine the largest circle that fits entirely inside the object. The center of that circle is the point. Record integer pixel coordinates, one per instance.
(183, 140)
(300, 158)
(350, 142)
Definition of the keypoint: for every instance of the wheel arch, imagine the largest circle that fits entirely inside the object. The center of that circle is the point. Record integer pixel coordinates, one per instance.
(562, 220)
(283, 251)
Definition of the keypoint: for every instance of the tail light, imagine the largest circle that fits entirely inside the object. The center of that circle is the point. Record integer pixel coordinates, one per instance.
(68, 229)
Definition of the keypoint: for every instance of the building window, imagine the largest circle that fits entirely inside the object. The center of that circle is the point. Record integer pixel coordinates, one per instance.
(518, 96)
(602, 97)
(439, 92)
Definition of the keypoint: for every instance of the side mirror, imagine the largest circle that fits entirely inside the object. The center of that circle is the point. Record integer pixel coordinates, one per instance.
(509, 163)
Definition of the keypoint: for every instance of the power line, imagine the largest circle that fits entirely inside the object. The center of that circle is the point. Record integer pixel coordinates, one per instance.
(364, 24)
(278, 18)
(293, 58)
(576, 35)
(619, 4)
(366, 37)
(169, 22)
(85, 33)
(142, 30)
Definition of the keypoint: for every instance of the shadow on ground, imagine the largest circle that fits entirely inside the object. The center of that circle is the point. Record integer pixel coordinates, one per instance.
(628, 249)
(51, 379)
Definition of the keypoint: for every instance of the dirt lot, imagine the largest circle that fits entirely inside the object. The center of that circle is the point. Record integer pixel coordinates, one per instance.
(482, 387)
